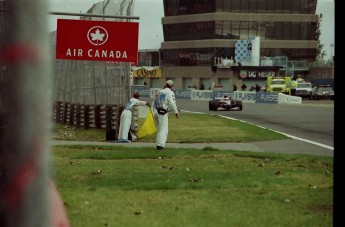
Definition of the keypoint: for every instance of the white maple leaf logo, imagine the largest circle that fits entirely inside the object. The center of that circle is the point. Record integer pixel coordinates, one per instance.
(97, 35)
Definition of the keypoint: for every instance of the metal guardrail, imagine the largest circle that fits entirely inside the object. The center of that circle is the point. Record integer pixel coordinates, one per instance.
(290, 65)
(282, 61)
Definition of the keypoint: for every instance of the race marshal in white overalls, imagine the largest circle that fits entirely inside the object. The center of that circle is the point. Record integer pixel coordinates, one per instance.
(126, 118)
(163, 104)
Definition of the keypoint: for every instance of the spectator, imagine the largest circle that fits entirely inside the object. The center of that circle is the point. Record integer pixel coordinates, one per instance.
(243, 87)
(234, 87)
(257, 88)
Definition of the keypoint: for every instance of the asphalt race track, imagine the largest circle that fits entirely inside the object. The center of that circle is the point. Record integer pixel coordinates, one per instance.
(312, 121)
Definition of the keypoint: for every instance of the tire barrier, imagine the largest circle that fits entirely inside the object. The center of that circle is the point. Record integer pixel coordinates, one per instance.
(87, 116)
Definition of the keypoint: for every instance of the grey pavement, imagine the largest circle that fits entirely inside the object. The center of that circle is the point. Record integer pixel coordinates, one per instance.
(288, 146)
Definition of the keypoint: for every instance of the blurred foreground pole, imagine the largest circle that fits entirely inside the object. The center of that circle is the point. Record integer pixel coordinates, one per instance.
(25, 155)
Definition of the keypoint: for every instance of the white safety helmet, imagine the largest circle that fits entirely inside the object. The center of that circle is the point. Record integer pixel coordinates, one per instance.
(170, 83)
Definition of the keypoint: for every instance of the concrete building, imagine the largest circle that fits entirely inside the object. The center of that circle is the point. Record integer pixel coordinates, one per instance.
(203, 40)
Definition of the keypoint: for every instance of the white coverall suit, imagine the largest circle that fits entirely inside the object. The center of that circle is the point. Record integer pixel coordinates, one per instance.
(126, 119)
(165, 99)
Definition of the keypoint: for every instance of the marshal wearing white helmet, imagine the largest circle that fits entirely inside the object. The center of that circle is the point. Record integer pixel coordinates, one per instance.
(163, 104)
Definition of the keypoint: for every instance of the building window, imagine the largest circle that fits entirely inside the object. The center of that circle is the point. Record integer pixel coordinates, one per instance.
(269, 34)
(253, 6)
(235, 29)
(240, 30)
(295, 31)
(296, 6)
(262, 30)
(236, 6)
(189, 31)
(312, 31)
(244, 6)
(303, 31)
(177, 7)
(226, 29)
(227, 6)
(287, 6)
(188, 57)
(244, 30)
(262, 6)
(286, 30)
(270, 6)
(279, 6)
(253, 28)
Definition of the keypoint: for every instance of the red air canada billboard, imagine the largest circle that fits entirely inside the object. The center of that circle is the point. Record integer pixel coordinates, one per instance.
(97, 40)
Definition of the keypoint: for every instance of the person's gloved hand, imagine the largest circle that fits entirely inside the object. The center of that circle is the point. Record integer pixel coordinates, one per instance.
(148, 104)
(177, 114)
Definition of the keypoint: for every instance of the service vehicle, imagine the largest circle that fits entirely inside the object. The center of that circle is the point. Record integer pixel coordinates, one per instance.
(225, 103)
(322, 92)
(303, 89)
(278, 84)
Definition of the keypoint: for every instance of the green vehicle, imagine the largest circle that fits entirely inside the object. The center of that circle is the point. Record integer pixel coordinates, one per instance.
(278, 84)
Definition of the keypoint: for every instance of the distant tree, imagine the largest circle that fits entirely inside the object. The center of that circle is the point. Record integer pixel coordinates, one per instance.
(321, 53)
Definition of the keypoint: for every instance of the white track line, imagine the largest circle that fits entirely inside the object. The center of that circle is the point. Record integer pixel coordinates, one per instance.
(288, 135)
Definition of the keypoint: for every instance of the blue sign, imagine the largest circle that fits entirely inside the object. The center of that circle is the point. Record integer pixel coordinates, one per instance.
(220, 94)
(201, 95)
(144, 92)
(182, 94)
(267, 97)
(245, 96)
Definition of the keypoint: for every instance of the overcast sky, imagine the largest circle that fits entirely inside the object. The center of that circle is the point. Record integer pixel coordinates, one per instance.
(151, 12)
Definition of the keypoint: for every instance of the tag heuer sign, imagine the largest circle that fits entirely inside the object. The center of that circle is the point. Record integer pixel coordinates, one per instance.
(97, 40)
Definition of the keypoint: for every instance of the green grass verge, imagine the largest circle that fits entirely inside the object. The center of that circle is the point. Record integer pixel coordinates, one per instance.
(189, 128)
(123, 186)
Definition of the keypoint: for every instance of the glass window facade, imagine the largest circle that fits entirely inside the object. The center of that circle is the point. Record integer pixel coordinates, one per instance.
(240, 30)
(189, 57)
(179, 7)
(148, 58)
(296, 54)
(205, 56)
(235, 29)
(189, 31)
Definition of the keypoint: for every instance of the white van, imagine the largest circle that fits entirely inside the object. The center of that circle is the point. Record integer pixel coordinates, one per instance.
(304, 89)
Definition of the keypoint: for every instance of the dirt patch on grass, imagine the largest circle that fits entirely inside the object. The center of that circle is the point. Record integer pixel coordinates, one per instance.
(320, 208)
